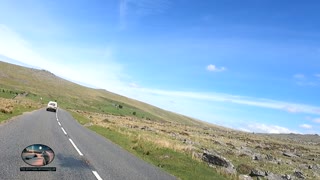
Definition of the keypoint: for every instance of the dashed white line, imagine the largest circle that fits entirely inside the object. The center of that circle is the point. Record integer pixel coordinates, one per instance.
(59, 123)
(96, 175)
(63, 131)
(75, 147)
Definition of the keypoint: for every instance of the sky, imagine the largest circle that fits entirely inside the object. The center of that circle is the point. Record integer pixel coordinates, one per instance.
(248, 65)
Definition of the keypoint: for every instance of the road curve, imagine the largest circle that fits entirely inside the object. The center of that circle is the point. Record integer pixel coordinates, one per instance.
(79, 152)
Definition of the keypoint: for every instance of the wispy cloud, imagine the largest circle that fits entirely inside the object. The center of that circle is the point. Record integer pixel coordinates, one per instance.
(299, 76)
(107, 73)
(317, 75)
(263, 128)
(139, 8)
(214, 68)
(250, 101)
(302, 80)
(316, 120)
(134, 85)
(306, 126)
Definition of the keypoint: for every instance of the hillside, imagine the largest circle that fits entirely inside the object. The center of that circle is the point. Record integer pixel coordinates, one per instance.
(42, 83)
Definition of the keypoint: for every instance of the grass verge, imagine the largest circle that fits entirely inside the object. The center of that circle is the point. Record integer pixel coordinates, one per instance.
(17, 110)
(176, 163)
(82, 120)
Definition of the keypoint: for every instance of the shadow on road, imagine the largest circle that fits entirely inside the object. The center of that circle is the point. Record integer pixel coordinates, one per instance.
(71, 162)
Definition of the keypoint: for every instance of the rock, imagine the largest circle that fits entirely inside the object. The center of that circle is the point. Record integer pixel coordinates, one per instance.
(299, 174)
(245, 151)
(286, 177)
(289, 154)
(216, 159)
(271, 176)
(257, 172)
(187, 141)
(269, 157)
(257, 157)
(245, 177)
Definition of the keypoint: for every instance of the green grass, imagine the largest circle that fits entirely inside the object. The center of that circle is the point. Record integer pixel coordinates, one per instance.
(82, 120)
(176, 163)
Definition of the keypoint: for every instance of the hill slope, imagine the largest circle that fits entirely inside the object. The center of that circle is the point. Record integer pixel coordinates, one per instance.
(42, 83)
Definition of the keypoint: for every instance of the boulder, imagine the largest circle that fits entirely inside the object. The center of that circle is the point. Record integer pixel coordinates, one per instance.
(216, 159)
(257, 172)
(299, 174)
(288, 154)
(271, 176)
(245, 177)
(257, 157)
(286, 177)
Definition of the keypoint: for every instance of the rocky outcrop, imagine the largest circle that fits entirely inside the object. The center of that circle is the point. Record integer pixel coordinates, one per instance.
(257, 172)
(213, 158)
(245, 177)
(299, 174)
(288, 154)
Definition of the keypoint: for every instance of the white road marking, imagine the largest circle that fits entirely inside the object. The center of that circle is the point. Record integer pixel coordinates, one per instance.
(97, 175)
(64, 131)
(75, 147)
(59, 123)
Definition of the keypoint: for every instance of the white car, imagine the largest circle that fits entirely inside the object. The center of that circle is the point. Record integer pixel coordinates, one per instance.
(52, 106)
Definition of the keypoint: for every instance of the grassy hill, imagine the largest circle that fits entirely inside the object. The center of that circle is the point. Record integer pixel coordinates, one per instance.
(42, 83)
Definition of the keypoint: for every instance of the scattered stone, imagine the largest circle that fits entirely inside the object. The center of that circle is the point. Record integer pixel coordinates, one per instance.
(299, 174)
(269, 157)
(257, 172)
(257, 157)
(286, 177)
(245, 177)
(187, 141)
(289, 154)
(271, 176)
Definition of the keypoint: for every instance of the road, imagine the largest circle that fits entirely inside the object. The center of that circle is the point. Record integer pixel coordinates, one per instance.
(79, 152)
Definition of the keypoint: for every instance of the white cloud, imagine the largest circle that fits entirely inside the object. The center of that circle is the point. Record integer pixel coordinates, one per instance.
(106, 72)
(134, 85)
(291, 109)
(250, 101)
(306, 126)
(316, 120)
(134, 9)
(263, 128)
(302, 80)
(213, 68)
(299, 76)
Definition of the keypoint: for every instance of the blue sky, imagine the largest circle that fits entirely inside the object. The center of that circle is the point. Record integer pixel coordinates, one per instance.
(248, 65)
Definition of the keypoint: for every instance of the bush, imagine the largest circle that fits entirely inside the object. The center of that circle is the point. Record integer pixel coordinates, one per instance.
(134, 113)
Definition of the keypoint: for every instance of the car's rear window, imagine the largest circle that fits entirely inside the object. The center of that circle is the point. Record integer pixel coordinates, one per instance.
(52, 104)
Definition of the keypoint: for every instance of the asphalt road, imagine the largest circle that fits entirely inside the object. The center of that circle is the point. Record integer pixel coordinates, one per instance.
(79, 152)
